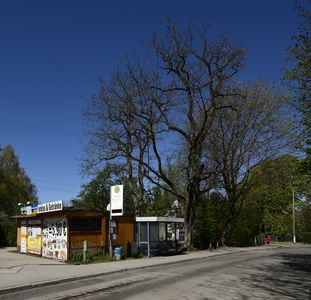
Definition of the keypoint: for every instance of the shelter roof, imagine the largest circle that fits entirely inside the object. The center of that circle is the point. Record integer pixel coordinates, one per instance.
(160, 219)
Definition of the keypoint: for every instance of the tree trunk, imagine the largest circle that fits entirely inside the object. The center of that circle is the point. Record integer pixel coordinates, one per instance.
(232, 209)
(188, 223)
(190, 211)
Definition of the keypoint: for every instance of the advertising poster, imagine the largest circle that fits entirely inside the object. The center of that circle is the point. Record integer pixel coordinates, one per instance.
(23, 237)
(54, 238)
(34, 240)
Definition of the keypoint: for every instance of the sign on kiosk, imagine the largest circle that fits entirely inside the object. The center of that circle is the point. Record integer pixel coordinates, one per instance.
(116, 200)
(51, 206)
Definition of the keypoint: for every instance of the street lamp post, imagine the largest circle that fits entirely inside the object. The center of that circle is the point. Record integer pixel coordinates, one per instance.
(294, 229)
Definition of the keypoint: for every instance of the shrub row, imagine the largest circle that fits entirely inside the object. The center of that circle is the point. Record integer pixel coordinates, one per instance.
(306, 237)
(8, 233)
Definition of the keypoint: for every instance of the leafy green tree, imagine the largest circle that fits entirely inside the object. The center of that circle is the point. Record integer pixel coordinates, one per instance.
(209, 222)
(303, 219)
(15, 186)
(299, 75)
(269, 202)
(245, 227)
(159, 202)
(303, 208)
(96, 193)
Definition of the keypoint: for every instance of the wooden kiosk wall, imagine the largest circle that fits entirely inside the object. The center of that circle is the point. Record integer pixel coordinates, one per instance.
(97, 240)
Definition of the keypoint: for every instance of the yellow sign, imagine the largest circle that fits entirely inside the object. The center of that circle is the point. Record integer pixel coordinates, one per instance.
(34, 245)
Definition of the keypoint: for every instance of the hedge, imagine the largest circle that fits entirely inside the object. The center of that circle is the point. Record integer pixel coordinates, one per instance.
(306, 237)
(8, 233)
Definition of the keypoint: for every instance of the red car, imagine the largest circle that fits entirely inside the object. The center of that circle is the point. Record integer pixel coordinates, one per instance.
(266, 240)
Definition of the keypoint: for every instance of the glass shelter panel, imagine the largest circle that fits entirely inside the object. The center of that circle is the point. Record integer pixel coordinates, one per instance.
(154, 232)
(143, 236)
(162, 231)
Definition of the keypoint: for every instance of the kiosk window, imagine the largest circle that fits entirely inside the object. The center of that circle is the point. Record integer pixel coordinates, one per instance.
(81, 224)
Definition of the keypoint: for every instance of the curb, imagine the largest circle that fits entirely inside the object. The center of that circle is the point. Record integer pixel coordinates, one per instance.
(66, 280)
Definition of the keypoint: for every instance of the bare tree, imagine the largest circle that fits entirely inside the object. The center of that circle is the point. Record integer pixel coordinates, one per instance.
(256, 129)
(195, 75)
(114, 134)
(173, 98)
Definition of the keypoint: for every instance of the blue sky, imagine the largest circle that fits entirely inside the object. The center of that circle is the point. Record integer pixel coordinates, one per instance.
(53, 52)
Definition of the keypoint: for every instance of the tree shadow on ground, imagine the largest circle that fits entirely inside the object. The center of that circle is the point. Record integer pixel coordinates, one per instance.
(288, 277)
(299, 262)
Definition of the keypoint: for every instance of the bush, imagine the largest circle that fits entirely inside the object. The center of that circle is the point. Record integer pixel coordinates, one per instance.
(8, 233)
(306, 237)
(208, 225)
(77, 259)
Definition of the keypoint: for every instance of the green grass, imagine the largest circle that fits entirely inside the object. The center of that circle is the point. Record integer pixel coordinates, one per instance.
(90, 259)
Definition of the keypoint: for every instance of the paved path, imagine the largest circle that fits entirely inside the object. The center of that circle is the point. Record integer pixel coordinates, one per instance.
(19, 271)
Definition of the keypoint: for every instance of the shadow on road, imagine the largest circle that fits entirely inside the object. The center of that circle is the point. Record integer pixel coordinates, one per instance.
(288, 278)
(299, 262)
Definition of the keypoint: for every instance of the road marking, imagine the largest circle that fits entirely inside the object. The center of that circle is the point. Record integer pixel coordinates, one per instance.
(12, 270)
(99, 287)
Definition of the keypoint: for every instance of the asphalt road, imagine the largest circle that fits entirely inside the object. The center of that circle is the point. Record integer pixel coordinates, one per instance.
(273, 274)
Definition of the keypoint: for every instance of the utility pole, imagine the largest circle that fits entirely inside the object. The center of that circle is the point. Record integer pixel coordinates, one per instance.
(294, 229)
(110, 219)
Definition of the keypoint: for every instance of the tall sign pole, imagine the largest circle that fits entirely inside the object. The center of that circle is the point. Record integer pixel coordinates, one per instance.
(294, 225)
(116, 208)
(110, 219)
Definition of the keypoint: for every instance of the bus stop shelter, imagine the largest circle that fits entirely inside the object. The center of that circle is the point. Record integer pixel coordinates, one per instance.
(158, 235)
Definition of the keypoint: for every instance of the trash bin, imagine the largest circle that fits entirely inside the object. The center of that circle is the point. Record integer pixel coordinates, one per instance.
(118, 252)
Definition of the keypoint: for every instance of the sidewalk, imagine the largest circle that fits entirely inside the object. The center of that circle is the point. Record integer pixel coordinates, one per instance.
(20, 271)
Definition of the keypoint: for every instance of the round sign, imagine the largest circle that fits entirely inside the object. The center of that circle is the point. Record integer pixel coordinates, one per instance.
(117, 189)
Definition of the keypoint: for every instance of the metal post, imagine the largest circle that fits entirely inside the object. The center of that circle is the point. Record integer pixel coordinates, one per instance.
(110, 243)
(148, 238)
(84, 250)
(175, 240)
(294, 229)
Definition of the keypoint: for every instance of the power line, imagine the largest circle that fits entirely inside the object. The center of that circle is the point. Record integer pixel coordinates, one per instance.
(53, 182)
(55, 189)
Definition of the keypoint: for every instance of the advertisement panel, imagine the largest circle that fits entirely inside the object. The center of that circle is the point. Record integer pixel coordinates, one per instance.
(23, 237)
(34, 245)
(28, 210)
(34, 239)
(54, 238)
